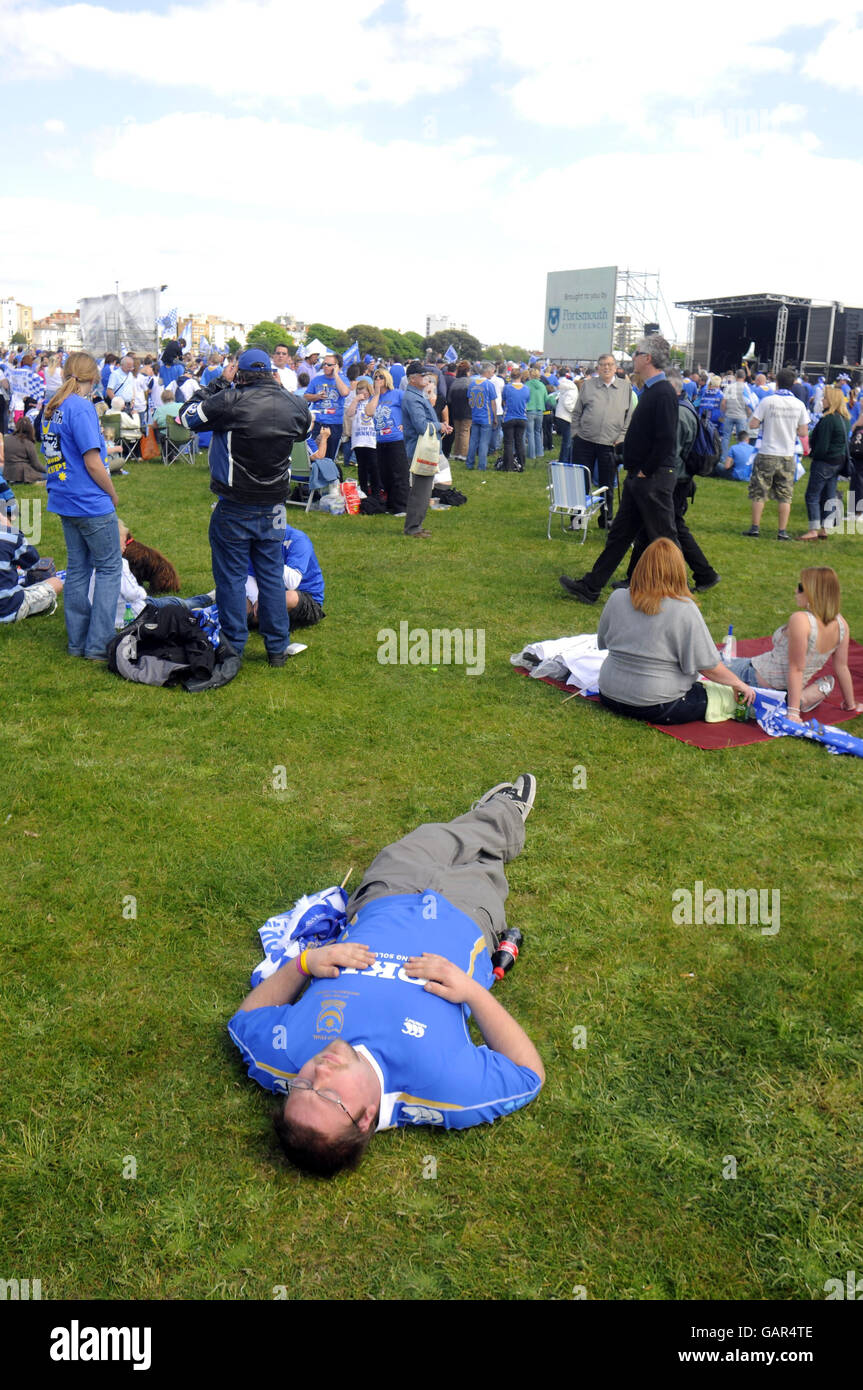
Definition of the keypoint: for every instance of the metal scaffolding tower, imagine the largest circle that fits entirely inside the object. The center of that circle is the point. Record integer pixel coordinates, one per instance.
(636, 306)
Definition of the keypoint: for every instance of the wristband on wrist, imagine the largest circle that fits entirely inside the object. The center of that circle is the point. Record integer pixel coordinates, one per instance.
(302, 965)
(793, 709)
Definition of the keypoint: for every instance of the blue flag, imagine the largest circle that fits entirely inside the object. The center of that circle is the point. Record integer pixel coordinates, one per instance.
(203, 346)
(352, 355)
(450, 355)
(531, 361)
(187, 333)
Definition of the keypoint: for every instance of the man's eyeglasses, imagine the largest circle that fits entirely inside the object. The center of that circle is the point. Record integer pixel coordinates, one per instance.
(640, 353)
(302, 1085)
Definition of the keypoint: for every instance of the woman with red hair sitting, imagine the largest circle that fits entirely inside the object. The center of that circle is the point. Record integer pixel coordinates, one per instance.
(658, 643)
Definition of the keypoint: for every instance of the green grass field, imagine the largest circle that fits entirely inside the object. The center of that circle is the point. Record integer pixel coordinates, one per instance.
(703, 1044)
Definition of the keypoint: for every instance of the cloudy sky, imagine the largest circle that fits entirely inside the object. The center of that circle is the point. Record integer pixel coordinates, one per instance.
(269, 157)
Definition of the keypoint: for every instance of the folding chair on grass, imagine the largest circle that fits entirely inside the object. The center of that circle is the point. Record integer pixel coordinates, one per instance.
(177, 441)
(571, 496)
(112, 421)
(300, 474)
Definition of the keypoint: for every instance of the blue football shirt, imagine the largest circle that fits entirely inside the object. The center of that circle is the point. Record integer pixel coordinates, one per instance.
(72, 431)
(482, 399)
(430, 1070)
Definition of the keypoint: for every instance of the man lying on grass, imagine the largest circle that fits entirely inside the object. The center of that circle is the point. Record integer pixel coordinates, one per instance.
(380, 1036)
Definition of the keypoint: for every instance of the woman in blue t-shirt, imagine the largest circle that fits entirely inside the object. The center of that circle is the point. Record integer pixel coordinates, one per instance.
(81, 493)
(710, 400)
(386, 408)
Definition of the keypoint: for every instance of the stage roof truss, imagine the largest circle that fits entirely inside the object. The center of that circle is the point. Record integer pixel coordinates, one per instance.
(743, 303)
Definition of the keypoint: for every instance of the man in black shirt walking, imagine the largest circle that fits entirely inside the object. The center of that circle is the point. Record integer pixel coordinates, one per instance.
(648, 456)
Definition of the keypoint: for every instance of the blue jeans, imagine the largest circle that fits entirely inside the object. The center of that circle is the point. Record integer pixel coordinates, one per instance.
(742, 666)
(533, 437)
(92, 543)
(240, 535)
(165, 601)
(497, 436)
(821, 490)
(480, 436)
(729, 423)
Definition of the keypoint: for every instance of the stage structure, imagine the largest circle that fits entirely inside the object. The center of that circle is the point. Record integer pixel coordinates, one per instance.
(818, 337)
(124, 321)
(598, 310)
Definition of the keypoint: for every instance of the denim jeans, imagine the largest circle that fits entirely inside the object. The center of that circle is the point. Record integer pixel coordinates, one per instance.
(742, 666)
(689, 707)
(166, 600)
(92, 543)
(240, 535)
(533, 438)
(497, 435)
(729, 423)
(480, 437)
(821, 490)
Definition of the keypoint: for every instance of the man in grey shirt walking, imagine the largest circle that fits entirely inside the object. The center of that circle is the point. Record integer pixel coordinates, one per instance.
(599, 421)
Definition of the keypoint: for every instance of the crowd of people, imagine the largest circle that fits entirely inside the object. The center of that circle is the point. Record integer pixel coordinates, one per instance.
(380, 416)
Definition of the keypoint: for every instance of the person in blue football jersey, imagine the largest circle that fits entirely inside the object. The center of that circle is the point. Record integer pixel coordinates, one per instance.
(379, 1038)
(482, 399)
(328, 390)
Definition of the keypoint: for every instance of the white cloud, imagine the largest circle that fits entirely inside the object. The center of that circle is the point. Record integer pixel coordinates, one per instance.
(838, 60)
(394, 258)
(53, 127)
(617, 65)
(279, 164)
(281, 55)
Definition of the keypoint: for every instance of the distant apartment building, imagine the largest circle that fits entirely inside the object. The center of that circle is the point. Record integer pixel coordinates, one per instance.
(295, 327)
(58, 330)
(15, 318)
(441, 323)
(213, 328)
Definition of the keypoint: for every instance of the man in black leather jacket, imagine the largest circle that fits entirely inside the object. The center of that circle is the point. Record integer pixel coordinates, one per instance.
(255, 424)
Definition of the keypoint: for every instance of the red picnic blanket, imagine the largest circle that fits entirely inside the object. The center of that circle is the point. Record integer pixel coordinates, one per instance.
(733, 734)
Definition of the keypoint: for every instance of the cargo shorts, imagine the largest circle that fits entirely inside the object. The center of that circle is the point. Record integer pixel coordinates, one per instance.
(772, 476)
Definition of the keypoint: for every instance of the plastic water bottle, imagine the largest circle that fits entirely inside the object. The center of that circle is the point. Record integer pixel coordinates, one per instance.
(729, 646)
(128, 616)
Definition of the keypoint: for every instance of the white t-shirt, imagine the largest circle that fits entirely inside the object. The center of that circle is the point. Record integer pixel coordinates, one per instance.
(363, 428)
(131, 593)
(497, 383)
(781, 416)
(287, 376)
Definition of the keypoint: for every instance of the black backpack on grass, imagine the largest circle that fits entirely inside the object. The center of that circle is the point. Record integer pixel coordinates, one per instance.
(165, 646)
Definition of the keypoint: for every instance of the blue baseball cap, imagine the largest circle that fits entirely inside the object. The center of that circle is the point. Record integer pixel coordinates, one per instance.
(253, 360)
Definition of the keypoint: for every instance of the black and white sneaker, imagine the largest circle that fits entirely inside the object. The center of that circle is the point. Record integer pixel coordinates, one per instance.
(522, 792)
